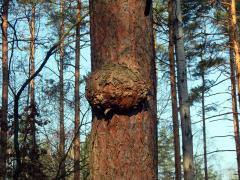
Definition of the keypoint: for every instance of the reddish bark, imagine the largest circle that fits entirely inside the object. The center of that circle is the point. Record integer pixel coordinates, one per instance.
(5, 79)
(34, 171)
(32, 93)
(234, 40)
(124, 144)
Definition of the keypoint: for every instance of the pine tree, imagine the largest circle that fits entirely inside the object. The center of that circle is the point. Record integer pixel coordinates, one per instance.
(62, 170)
(234, 45)
(187, 141)
(77, 98)
(174, 92)
(5, 81)
(122, 91)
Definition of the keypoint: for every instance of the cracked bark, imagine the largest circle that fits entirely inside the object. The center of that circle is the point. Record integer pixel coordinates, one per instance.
(124, 145)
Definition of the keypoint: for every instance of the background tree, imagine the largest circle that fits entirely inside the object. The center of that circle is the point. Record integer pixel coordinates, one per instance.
(174, 91)
(5, 80)
(77, 98)
(188, 163)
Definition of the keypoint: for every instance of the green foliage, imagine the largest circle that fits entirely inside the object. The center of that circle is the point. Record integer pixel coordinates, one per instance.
(166, 158)
(205, 65)
(199, 172)
(84, 164)
(165, 154)
(193, 11)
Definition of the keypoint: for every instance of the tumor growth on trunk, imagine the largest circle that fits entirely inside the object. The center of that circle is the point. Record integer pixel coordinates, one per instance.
(116, 87)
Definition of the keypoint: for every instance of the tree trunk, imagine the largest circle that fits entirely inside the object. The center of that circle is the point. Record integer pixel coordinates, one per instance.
(18, 168)
(4, 110)
(204, 128)
(61, 97)
(234, 52)
(123, 138)
(187, 142)
(173, 92)
(32, 94)
(234, 41)
(234, 109)
(77, 98)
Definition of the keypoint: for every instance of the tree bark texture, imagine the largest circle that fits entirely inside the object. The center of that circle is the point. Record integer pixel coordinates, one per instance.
(124, 143)
(77, 98)
(61, 97)
(187, 141)
(5, 80)
(174, 92)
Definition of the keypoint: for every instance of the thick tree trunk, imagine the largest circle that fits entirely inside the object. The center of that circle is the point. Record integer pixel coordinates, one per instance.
(204, 128)
(77, 98)
(173, 92)
(123, 142)
(234, 109)
(187, 141)
(4, 110)
(61, 97)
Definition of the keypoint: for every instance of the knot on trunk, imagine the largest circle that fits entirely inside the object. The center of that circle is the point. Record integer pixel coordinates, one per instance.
(116, 87)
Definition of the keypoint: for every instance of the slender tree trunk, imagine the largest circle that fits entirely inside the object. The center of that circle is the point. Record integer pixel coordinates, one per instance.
(77, 98)
(32, 54)
(234, 53)
(234, 41)
(61, 100)
(187, 141)
(17, 170)
(32, 95)
(124, 143)
(204, 128)
(4, 113)
(173, 92)
(234, 109)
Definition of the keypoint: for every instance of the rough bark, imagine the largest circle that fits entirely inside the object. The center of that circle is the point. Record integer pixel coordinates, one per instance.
(187, 141)
(61, 95)
(4, 110)
(124, 143)
(77, 98)
(234, 109)
(174, 92)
